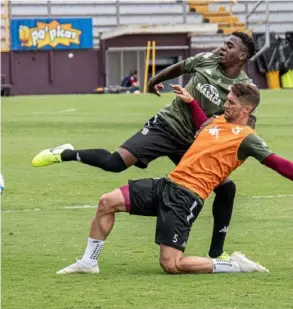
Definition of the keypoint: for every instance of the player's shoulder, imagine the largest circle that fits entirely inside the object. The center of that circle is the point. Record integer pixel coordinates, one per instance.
(253, 138)
(206, 57)
(200, 61)
(244, 78)
(219, 119)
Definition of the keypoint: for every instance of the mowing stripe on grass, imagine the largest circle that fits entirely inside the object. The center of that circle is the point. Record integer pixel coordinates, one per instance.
(94, 206)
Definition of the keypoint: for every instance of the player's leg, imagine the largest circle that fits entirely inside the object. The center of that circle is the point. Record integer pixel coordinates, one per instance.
(135, 198)
(173, 261)
(222, 213)
(144, 146)
(149, 143)
(115, 162)
(101, 226)
(178, 209)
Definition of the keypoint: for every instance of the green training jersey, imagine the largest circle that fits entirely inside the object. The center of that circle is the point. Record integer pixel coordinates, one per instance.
(253, 146)
(208, 85)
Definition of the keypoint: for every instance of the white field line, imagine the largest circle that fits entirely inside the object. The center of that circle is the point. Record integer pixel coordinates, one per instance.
(59, 208)
(69, 110)
(268, 196)
(94, 206)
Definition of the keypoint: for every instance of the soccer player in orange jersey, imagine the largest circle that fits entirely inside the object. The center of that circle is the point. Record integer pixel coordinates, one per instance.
(219, 148)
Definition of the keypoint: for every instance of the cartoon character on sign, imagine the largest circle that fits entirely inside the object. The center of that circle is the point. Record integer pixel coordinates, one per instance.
(24, 34)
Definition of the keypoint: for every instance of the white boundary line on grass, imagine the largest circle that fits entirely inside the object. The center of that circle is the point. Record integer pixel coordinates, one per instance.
(94, 206)
(68, 110)
(268, 196)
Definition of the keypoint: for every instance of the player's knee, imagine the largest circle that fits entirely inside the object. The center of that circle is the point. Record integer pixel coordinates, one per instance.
(232, 186)
(169, 265)
(105, 204)
(227, 188)
(114, 163)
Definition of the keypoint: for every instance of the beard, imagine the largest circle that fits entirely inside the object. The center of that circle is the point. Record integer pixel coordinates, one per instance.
(229, 117)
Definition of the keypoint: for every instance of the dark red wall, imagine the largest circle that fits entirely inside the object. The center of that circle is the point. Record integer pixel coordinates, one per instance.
(51, 72)
(170, 39)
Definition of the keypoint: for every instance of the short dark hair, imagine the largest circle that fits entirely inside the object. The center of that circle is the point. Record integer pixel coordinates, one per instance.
(247, 92)
(247, 41)
(133, 72)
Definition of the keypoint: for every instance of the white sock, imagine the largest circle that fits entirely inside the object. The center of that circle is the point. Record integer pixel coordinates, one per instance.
(221, 266)
(92, 252)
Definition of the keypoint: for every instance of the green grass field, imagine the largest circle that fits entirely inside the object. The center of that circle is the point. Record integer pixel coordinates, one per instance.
(43, 232)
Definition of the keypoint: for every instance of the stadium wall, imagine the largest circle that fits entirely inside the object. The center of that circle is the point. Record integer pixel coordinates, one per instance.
(51, 72)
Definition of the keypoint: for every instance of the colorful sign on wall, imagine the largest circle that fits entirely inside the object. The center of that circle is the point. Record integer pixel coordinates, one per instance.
(44, 34)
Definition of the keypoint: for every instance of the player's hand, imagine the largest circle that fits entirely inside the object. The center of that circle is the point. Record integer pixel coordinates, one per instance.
(152, 88)
(182, 93)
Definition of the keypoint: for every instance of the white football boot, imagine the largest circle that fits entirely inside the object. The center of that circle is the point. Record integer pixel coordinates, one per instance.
(78, 267)
(247, 265)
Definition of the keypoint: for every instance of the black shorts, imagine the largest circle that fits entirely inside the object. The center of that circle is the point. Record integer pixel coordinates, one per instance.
(175, 207)
(155, 140)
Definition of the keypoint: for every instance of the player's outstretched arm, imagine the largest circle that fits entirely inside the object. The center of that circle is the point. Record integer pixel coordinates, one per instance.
(198, 115)
(188, 65)
(254, 146)
(282, 166)
(170, 72)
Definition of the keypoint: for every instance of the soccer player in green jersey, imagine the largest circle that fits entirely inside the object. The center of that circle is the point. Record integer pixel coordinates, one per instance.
(171, 131)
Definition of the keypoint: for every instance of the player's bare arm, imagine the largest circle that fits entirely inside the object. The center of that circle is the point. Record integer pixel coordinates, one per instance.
(170, 72)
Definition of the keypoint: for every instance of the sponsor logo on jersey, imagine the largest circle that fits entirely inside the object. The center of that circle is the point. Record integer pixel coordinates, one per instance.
(214, 131)
(210, 92)
(237, 130)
